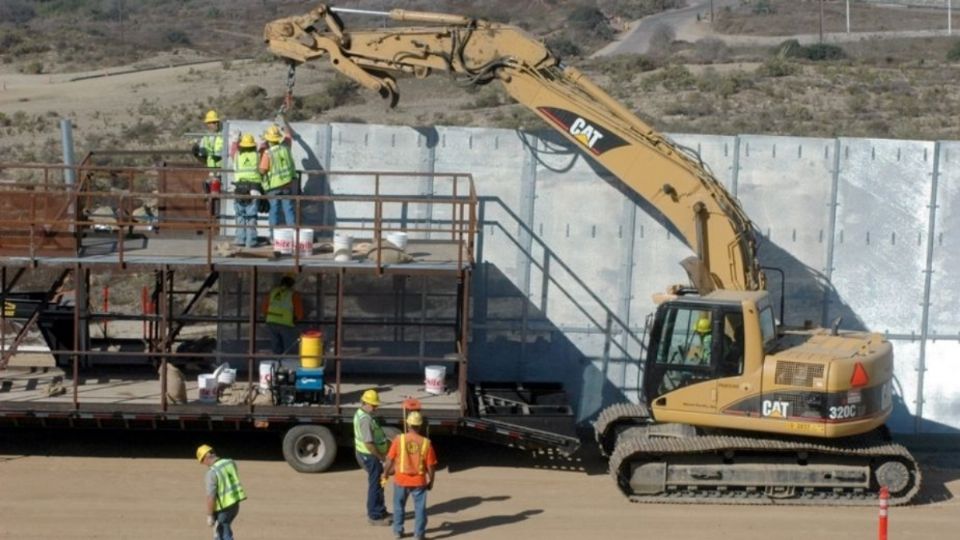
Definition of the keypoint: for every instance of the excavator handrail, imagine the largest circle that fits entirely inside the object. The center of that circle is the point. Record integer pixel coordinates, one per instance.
(708, 218)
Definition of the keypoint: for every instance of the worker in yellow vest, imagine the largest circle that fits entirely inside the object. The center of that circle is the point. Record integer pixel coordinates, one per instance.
(247, 185)
(224, 492)
(371, 444)
(412, 462)
(279, 173)
(284, 308)
(209, 149)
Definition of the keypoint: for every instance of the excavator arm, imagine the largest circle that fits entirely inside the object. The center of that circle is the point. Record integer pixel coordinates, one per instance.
(675, 182)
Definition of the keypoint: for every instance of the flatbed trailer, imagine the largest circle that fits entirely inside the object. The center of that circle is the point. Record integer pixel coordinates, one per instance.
(388, 312)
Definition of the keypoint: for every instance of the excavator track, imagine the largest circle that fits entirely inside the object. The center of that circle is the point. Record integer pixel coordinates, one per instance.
(723, 469)
(611, 420)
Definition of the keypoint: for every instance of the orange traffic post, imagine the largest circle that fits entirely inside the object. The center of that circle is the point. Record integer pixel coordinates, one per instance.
(884, 504)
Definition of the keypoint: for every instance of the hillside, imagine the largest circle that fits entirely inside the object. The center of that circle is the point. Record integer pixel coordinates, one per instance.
(167, 61)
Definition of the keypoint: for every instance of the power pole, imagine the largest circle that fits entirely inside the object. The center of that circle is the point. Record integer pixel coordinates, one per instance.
(821, 22)
(848, 16)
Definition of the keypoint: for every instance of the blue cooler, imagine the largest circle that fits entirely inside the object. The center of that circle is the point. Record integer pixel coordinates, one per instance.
(309, 379)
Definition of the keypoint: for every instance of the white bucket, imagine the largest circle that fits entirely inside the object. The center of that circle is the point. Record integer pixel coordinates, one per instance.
(207, 388)
(305, 244)
(342, 248)
(283, 241)
(266, 373)
(228, 376)
(433, 379)
(398, 239)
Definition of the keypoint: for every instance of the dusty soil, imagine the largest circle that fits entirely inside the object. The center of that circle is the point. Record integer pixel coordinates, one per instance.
(147, 486)
(803, 17)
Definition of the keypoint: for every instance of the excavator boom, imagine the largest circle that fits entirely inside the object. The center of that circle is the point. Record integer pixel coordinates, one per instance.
(671, 179)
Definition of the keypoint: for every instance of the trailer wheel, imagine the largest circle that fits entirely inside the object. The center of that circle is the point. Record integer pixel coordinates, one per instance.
(309, 448)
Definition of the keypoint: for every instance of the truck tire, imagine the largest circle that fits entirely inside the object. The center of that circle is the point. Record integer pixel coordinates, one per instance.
(309, 448)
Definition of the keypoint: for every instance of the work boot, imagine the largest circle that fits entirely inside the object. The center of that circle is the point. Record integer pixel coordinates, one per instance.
(384, 521)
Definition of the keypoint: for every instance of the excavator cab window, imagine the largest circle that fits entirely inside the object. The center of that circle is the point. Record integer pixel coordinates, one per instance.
(686, 348)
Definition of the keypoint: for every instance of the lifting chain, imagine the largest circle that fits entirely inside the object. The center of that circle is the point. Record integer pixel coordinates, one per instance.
(288, 97)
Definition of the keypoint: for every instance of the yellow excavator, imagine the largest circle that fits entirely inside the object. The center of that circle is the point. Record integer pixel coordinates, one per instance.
(734, 409)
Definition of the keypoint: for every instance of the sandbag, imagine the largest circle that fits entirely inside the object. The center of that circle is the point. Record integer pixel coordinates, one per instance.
(176, 385)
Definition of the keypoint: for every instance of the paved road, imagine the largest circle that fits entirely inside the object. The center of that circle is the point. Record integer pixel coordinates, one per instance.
(686, 27)
(637, 39)
(147, 486)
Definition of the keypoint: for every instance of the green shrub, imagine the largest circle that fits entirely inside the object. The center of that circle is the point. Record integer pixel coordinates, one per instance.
(952, 55)
(724, 85)
(636, 9)
(563, 46)
(777, 67)
(816, 52)
(16, 11)
(342, 91)
(763, 7)
(176, 37)
(591, 21)
(711, 50)
(673, 77)
(32, 68)
(661, 41)
(824, 51)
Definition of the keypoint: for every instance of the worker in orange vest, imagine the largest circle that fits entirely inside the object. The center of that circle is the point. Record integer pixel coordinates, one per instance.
(412, 461)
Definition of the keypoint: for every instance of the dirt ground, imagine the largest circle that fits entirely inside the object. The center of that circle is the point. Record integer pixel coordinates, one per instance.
(148, 486)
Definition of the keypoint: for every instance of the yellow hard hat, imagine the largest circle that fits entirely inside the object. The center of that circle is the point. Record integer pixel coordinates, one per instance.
(273, 134)
(703, 326)
(415, 419)
(211, 117)
(371, 397)
(247, 141)
(202, 451)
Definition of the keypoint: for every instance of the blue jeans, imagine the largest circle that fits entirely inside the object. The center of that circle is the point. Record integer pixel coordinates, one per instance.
(223, 530)
(376, 509)
(400, 495)
(246, 213)
(282, 338)
(276, 205)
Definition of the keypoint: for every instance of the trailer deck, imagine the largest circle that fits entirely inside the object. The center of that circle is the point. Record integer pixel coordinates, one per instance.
(386, 312)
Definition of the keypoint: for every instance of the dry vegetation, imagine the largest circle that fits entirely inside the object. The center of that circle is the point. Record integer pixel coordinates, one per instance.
(890, 88)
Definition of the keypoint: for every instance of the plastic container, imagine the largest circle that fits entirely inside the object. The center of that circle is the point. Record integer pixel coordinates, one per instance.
(398, 239)
(305, 243)
(433, 379)
(283, 241)
(266, 373)
(228, 376)
(342, 248)
(207, 388)
(311, 349)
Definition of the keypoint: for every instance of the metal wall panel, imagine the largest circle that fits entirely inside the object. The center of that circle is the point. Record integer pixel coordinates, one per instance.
(785, 185)
(941, 393)
(881, 237)
(945, 285)
(564, 259)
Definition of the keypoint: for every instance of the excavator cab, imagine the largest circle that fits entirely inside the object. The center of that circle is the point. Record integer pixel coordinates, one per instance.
(693, 341)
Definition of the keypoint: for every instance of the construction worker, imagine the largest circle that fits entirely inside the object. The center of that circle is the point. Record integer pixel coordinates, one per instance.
(224, 492)
(705, 338)
(412, 461)
(279, 172)
(284, 307)
(371, 446)
(247, 184)
(210, 147)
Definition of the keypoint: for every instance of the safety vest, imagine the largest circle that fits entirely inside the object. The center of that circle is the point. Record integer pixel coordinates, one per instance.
(281, 170)
(405, 464)
(229, 490)
(379, 439)
(213, 144)
(280, 309)
(246, 167)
